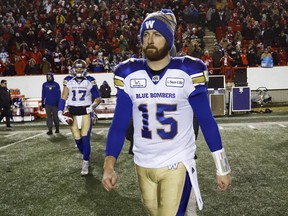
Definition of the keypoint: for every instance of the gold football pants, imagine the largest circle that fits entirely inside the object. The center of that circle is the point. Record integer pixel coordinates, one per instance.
(165, 191)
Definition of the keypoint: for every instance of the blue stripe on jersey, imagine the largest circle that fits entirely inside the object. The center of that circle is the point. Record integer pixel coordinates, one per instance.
(185, 196)
(90, 78)
(188, 64)
(201, 108)
(129, 66)
(119, 125)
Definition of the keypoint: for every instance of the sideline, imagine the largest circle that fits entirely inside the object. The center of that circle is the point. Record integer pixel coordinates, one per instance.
(3, 147)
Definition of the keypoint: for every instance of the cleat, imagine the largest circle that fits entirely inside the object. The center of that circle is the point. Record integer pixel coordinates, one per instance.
(57, 131)
(85, 168)
(49, 133)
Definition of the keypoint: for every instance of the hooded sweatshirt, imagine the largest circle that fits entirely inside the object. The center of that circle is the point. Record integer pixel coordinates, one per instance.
(51, 91)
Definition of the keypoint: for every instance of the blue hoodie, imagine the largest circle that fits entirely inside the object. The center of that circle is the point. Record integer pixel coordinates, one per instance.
(51, 91)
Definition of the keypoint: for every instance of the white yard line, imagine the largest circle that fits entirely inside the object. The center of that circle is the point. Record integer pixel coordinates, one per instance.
(3, 147)
(12, 134)
(281, 125)
(100, 132)
(251, 126)
(260, 124)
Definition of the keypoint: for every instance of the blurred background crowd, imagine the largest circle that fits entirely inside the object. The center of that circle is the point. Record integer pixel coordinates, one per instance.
(38, 36)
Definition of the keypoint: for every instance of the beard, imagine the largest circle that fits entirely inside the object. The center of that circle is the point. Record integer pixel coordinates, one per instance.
(152, 53)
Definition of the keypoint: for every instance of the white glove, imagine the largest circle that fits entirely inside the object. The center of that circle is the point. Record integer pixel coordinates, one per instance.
(91, 108)
(62, 118)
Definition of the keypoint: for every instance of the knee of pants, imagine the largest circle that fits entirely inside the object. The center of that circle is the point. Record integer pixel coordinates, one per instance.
(151, 206)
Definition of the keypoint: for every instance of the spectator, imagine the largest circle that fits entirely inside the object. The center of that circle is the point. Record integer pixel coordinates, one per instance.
(238, 37)
(31, 68)
(282, 57)
(37, 56)
(227, 62)
(106, 65)
(207, 59)
(57, 55)
(9, 68)
(241, 59)
(5, 103)
(2, 68)
(283, 39)
(20, 66)
(45, 66)
(252, 58)
(105, 90)
(266, 59)
(216, 56)
(4, 55)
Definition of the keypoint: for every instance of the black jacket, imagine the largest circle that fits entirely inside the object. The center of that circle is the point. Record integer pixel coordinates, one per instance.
(5, 98)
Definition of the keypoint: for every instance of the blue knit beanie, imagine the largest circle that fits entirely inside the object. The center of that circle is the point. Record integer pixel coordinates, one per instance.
(163, 21)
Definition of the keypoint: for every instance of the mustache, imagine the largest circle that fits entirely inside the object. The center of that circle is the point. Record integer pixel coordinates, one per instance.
(151, 47)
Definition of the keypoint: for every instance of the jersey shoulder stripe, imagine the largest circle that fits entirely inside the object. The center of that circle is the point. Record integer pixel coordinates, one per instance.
(91, 80)
(67, 79)
(194, 67)
(125, 68)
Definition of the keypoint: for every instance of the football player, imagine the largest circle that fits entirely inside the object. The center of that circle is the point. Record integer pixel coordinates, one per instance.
(81, 93)
(162, 93)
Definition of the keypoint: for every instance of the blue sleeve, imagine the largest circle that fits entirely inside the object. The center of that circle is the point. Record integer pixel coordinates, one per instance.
(95, 92)
(58, 93)
(61, 104)
(207, 123)
(43, 94)
(122, 116)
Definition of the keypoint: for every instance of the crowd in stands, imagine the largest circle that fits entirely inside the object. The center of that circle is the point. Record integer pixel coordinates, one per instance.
(41, 36)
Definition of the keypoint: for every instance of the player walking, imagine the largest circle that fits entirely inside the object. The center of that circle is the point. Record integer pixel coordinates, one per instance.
(162, 93)
(82, 95)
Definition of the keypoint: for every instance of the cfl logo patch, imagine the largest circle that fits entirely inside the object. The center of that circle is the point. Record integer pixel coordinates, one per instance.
(149, 24)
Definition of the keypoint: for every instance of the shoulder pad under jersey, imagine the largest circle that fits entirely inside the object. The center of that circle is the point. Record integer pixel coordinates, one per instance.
(197, 70)
(91, 80)
(67, 79)
(125, 68)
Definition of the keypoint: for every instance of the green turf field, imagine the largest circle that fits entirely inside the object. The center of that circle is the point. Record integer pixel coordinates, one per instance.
(40, 174)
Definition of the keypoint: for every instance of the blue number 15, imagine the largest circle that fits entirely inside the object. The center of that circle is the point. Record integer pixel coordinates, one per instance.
(160, 115)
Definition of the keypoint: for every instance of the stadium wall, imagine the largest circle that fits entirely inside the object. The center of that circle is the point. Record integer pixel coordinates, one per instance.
(31, 85)
(274, 79)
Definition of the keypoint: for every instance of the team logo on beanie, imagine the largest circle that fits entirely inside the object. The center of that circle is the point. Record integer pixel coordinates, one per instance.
(163, 21)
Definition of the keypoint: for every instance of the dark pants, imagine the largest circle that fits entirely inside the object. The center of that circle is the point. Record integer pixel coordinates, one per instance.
(52, 116)
(7, 114)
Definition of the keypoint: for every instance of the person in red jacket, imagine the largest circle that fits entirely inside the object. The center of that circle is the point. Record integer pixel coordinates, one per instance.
(226, 62)
(207, 59)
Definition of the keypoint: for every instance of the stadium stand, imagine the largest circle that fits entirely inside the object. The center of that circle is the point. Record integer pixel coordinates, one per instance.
(106, 32)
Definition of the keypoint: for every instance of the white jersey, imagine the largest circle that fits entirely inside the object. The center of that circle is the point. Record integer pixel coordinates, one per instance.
(79, 92)
(162, 115)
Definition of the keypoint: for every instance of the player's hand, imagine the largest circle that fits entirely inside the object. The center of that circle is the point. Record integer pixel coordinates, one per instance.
(89, 109)
(62, 118)
(109, 179)
(224, 182)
